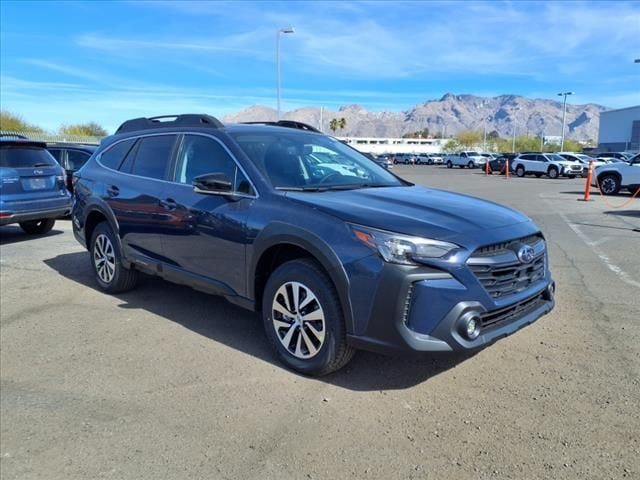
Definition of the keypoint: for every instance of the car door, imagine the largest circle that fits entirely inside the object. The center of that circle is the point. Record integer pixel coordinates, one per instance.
(632, 174)
(206, 233)
(134, 195)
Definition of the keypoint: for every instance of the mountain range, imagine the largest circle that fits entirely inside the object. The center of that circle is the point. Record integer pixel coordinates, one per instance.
(448, 116)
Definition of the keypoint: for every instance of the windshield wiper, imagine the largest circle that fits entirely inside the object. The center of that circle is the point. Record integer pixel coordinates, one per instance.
(42, 164)
(326, 188)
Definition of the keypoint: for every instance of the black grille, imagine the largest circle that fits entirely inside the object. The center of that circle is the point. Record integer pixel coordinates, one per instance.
(513, 312)
(502, 280)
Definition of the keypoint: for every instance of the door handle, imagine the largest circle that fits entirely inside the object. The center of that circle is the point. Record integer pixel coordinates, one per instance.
(113, 191)
(168, 204)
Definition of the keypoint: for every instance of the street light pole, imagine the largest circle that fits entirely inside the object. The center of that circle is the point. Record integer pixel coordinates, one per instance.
(513, 142)
(564, 115)
(278, 32)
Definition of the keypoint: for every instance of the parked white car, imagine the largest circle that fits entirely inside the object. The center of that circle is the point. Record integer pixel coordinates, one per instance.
(466, 159)
(583, 159)
(613, 177)
(550, 164)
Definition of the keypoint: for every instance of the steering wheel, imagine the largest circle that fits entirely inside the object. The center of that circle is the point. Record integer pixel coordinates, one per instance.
(331, 175)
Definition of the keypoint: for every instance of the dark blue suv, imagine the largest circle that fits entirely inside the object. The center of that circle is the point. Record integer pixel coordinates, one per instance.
(335, 251)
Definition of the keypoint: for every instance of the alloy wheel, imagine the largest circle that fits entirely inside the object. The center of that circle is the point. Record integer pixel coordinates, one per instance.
(104, 258)
(298, 320)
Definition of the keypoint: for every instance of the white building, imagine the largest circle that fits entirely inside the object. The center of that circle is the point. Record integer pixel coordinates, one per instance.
(619, 130)
(380, 146)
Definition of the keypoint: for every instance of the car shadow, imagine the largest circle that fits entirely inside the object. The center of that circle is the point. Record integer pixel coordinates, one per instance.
(219, 320)
(624, 213)
(12, 234)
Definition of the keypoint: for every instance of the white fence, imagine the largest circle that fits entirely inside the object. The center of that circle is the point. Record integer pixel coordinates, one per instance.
(50, 137)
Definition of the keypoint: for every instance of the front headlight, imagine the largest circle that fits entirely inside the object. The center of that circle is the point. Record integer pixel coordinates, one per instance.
(402, 249)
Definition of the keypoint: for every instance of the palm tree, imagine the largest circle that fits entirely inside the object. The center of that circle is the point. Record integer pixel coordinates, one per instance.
(342, 123)
(333, 125)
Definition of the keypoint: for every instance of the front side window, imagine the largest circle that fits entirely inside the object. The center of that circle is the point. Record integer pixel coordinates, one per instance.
(152, 156)
(201, 155)
(304, 161)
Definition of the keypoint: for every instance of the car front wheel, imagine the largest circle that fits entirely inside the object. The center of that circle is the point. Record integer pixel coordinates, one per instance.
(609, 184)
(303, 319)
(106, 260)
(38, 227)
(553, 172)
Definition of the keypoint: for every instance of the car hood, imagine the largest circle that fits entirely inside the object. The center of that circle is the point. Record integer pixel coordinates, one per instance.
(413, 210)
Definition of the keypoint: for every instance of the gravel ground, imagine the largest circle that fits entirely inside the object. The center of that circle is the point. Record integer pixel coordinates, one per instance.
(166, 382)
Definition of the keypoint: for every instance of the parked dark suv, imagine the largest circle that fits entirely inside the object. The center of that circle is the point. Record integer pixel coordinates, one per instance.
(337, 255)
(72, 156)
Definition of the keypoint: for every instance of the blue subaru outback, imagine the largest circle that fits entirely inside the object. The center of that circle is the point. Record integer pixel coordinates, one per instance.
(32, 186)
(336, 252)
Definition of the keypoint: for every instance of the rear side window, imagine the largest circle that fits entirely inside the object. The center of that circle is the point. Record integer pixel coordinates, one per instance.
(57, 154)
(76, 159)
(112, 157)
(153, 155)
(22, 156)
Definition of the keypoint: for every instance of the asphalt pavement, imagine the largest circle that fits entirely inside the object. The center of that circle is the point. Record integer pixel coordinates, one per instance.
(167, 382)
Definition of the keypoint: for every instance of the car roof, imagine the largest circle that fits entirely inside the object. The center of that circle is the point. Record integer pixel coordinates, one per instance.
(22, 142)
(79, 146)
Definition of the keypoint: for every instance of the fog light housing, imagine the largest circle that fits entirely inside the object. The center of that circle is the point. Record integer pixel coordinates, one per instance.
(470, 325)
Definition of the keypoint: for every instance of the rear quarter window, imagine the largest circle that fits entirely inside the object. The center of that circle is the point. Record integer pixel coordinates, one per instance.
(112, 156)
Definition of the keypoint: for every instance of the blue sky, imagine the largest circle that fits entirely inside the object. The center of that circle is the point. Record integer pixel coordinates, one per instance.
(68, 62)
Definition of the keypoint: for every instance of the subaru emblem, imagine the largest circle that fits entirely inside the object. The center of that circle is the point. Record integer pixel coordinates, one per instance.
(526, 254)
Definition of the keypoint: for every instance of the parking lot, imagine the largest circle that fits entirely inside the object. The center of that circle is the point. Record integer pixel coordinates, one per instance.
(167, 382)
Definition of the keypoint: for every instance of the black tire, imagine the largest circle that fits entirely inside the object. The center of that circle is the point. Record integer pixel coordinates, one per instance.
(449, 164)
(121, 279)
(609, 184)
(538, 174)
(520, 171)
(333, 352)
(553, 173)
(38, 227)
(471, 165)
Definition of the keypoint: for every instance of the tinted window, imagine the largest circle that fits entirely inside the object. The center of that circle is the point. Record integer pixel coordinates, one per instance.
(153, 155)
(76, 159)
(113, 156)
(201, 155)
(23, 156)
(527, 157)
(303, 160)
(57, 154)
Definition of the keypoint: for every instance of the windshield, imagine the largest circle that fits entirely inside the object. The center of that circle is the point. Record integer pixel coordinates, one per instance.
(23, 156)
(302, 161)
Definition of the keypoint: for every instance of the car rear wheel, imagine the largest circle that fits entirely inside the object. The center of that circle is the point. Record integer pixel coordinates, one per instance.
(520, 171)
(552, 172)
(449, 164)
(38, 227)
(303, 319)
(609, 184)
(106, 260)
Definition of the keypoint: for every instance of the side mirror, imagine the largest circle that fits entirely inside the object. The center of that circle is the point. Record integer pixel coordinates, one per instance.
(213, 184)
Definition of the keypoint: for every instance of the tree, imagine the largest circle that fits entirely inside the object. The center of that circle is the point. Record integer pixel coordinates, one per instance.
(452, 146)
(424, 133)
(469, 138)
(91, 129)
(333, 125)
(342, 123)
(10, 122)
(493, 135)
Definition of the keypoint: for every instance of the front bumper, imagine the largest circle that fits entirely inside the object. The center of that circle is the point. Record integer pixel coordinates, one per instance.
(419, 309)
